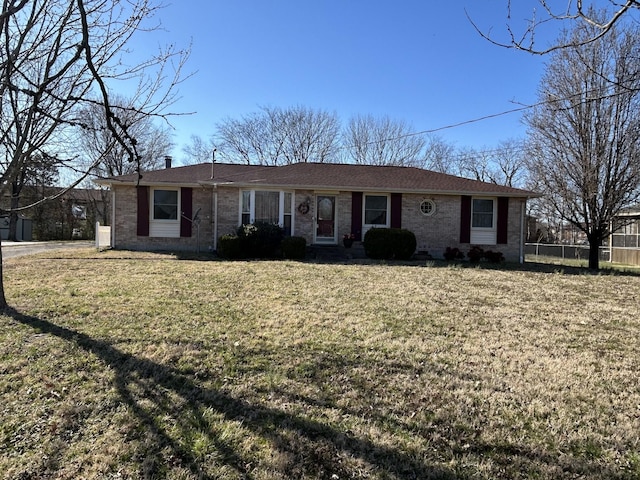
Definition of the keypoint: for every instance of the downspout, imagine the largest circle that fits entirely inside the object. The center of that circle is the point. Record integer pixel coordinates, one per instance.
(113, 216)
(523, 207)
(215, 217)
(215, 202)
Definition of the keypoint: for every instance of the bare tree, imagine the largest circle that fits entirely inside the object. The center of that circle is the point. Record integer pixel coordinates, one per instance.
(276, 136)
(199, 150)
(475, 164)
(439, 155)
(585, 132)
(383, 141)
(510, 165)
(545, 15)
(56, 56)
(104, 155)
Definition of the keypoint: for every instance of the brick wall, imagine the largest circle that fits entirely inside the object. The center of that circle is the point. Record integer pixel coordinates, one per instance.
(433, 233)
(125, 223)
(442, 229)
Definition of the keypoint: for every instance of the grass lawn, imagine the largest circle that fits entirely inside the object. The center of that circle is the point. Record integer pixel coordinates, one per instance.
(127, 365)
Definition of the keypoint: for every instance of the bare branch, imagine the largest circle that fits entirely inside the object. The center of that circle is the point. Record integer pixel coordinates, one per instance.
(574, 14)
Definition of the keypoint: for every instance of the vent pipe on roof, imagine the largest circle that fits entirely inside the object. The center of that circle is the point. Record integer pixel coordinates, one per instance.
(167, 161)
(213, 160)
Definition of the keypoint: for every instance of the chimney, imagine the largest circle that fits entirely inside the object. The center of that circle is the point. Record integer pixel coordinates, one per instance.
(167, 161)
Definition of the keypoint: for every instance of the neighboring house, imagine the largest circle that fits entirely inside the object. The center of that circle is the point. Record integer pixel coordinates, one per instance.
(68, 214)
(24, 228)
(625, 237)
(318, 201)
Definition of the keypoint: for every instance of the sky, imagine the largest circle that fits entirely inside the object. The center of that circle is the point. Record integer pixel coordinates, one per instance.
(417, 61)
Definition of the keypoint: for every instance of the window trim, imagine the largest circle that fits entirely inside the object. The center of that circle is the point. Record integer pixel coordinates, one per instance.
(364, 211)
(484, 235)
(494, 213)
(152, 212)
(431, 203)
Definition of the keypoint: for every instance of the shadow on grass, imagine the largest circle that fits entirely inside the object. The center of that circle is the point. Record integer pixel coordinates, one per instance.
(310, 448)
(162, 397)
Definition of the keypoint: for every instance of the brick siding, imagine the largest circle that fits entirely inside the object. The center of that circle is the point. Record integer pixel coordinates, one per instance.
(433, 233)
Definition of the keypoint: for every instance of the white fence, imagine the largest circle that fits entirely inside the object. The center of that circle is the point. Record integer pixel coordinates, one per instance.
(103, 236)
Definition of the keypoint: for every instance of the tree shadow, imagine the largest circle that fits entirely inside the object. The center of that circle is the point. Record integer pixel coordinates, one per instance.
(308, 448)
(149, 389)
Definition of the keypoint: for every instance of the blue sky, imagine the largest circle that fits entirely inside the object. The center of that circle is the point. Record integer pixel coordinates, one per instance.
(420, 61)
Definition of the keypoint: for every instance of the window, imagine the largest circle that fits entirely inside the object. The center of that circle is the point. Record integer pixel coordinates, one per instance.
(428, 207)
(246, 208)
(267, 206)
(286, 209)
(165, 205)
(482, 213)
(375, 209)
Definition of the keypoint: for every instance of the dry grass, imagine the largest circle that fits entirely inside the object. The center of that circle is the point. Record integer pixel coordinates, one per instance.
(123, 365)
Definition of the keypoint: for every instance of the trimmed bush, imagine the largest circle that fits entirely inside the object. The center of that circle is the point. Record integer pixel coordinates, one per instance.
(454, 253)
(475, 254)
(494, 257)
(377, 243)
(229, 246)
(260, 239)
(389, 243)
(294, 248)
(403, 243)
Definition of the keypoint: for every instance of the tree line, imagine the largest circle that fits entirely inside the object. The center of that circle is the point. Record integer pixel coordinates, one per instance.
(281, 136)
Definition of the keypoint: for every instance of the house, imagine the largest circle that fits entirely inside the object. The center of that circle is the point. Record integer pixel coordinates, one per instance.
(186, 208)
(625, 237)
(24, 228)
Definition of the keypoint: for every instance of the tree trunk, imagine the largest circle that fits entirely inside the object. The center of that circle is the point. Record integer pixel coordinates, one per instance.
(13, 227)
(594, 253)
(3, 301)
(13, 216)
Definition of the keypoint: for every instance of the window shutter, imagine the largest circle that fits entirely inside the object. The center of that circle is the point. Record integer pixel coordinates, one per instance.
(356, 215)
(465, 219)
(503, 220)
(396, 210)
(143, 212)
(186, 206)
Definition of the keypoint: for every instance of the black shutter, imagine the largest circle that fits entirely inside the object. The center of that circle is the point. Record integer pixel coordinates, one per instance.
(465, 219)
(396, 210)
(356, 215)
(503, 220)
(186, 204)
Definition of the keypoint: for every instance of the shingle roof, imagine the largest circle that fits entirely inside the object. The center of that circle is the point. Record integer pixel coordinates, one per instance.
(320, 176)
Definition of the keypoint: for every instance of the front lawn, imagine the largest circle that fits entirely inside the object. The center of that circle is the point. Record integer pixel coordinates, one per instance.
(128, 365)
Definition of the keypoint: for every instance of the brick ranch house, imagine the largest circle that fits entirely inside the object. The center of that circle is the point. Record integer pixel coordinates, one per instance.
(318, 201)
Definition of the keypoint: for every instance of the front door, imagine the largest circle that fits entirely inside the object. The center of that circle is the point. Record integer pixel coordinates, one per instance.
(326, 219)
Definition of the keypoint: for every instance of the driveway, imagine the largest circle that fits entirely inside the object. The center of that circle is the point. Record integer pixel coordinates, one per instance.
(19, 249)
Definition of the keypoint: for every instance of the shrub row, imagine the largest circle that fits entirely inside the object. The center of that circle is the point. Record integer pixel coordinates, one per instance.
(475, 255)
(389, 243)
(265, 240)
(261, 240)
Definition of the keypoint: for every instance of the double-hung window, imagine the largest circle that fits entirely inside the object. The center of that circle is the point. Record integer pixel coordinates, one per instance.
(483, 221)
(165, 213)
(376, 210)
(165, 204)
